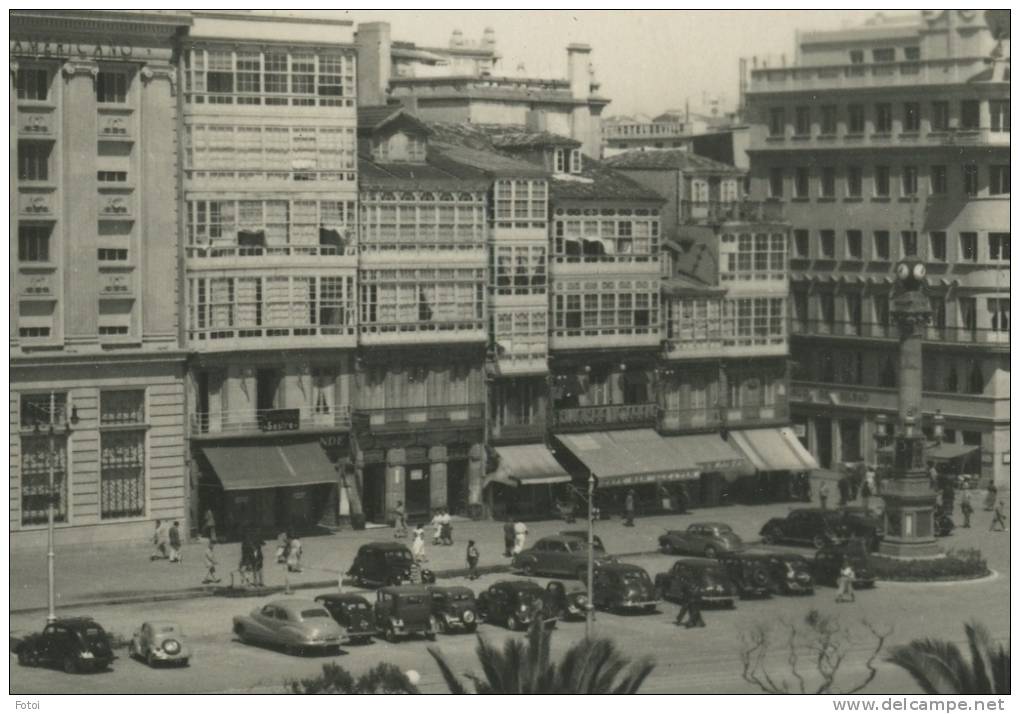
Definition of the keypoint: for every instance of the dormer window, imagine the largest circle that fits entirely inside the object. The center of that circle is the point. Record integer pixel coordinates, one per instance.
(399, 147)
(568, 161)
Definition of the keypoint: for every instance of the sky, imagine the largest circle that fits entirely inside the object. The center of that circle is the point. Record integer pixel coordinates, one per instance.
(647, 61)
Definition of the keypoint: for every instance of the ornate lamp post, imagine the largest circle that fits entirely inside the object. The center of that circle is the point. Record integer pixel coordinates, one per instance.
(909, 500)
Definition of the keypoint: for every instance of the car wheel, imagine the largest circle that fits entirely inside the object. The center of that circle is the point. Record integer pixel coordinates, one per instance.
(70, 664)
(818, 542)
(27, 657)
(391, 635)
(528, 569)
(511, 623)
(710, 551)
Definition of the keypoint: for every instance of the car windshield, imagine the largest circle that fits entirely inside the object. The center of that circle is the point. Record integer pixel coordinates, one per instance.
(356, 606)
(713, 572)
(412, 600)
(723, 530)
(306, 614)
(398, 555)
(576, 546)
(460, 596)
(92, 633)
(635, 578)
(164, 629)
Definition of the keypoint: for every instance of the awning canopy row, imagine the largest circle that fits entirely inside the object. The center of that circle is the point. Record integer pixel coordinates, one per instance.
(527, 465)
(773, 449)
(247, 466)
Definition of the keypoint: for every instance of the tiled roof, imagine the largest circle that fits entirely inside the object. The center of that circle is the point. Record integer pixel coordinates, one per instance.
(372, 117)
(521, 139)
(596, 181)
(469, 145)
(676, 159)
(421, 177)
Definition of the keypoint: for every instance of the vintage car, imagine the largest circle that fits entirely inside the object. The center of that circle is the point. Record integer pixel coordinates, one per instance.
(403, 611)
(514, 604)
(558, 555)
(583, 535)
(76, 644)
(294, 625)
(809, 526)
(379, 564)
(454, 608)
(565, 604)
(708, 575)
(707, 539)
(622, 586)
(160, 641)
(829, 561)
(791, 573)
(750, 573)
(861, 522)
(352, 612)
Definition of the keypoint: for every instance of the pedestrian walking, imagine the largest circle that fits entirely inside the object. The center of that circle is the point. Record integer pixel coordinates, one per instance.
(399, 521)
(437, 526)
(210, 564)
(418, 544)
(845, 583)
(282, 547)
(628, 508)
(991, 496)
(966, 509)
(445, 527)
(823, 495)
(999, 517)
(174, 537)
(866, 494)
(294, 555)
(690, 606)
(933, 475)
(472, 560)
(508, 536)
(161, 539)
(257, 560)
(520, 536)
(209, 524)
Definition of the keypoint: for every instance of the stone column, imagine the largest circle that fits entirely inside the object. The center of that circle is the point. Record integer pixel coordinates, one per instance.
(80, 217)
(476, 476)
(437, 477)
(395, 489)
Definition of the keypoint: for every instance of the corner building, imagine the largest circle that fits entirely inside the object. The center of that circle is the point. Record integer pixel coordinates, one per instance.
(96, 351)
(886, 141)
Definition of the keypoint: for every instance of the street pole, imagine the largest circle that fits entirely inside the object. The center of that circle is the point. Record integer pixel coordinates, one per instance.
(589, 616)
(51, 615)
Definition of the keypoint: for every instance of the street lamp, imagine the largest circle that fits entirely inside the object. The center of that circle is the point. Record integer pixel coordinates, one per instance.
(940, 426)
(589, 615)
(51, 500)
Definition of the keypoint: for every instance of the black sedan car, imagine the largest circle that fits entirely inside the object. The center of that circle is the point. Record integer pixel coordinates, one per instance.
(514, 604)
(791, 573)
(622, 586)
(708, 576)
(807, 526)
(829, 561)
(454, 608)
(352, 612)
(379, 564)
(750, 573)
(864, 523)
(76, 644)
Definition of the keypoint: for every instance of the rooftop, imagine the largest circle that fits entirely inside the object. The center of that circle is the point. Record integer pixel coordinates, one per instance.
(676, 159)
(372, 118)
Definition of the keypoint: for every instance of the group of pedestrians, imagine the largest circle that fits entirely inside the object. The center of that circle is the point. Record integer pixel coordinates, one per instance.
(515, 536)
(167, 541)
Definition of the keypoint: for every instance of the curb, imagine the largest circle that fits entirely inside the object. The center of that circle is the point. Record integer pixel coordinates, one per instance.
(196, 593)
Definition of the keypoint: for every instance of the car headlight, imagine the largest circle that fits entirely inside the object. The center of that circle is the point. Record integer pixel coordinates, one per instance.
(523, 607)
(398, 622)
(468, 616)
(171, 647)
(86, 654)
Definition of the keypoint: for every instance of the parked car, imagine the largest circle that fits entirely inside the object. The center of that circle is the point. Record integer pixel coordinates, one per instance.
(295, 625)
(829, 561)
(716, 586)
(558, 555)
(515, 604)
(791, 573)
(454, 608)
(404, 611)
(76, 644)
(811, 526)
(160, 641)
(622, 586)
(583, 535)
(862, 522)
(379, 564)
(707, 539)
(565, 604)
(750, 573)
(352, 612)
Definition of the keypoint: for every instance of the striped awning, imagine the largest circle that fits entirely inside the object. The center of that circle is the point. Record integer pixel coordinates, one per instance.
(773, 449)
(527, 465)
(630, 457)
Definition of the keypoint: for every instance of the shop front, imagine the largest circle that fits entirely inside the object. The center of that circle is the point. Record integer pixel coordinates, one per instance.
(778, 458)
(285, 484)
(718, 462)
(528, 483)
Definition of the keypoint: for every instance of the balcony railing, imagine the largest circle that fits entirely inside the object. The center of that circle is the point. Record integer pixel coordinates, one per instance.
(227, 337)
(731, 211)
(263, 251)
(410, 416)
(954, 335)
(957, 70)
(607, 415)
(671, 419)
(271, 420)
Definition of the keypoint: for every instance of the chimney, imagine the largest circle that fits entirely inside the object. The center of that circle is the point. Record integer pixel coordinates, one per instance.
(579, 70)
(489, 38)
(375, 62)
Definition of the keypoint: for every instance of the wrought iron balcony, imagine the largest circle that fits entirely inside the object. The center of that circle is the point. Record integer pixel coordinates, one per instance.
(611, 415)
(261, 421)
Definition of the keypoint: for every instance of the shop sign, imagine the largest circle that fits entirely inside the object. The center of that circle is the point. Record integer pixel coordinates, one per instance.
(281, 420)
(721, 464)
(638, 479)
(417, 474)
(800, 431)
(48, 48)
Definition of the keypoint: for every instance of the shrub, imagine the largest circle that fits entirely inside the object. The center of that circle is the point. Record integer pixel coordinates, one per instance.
(384, 678)
(965, 564)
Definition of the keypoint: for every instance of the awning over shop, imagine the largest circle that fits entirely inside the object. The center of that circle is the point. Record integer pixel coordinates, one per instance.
(527, 465)
(711, 453)
(773, 450)
(631, 457)
(244, 467)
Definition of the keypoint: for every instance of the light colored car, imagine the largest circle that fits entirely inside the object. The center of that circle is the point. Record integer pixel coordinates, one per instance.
(558, 555)
(160, 641)
(705, 539)
(292, 624)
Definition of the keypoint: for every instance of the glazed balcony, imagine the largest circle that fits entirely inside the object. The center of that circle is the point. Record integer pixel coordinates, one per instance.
(955, 335)
(416, 333)
(215, 256)
(886, 75)
(716, 212)
(610, 416)
(276, 337)
(604, 338)
(259, 422)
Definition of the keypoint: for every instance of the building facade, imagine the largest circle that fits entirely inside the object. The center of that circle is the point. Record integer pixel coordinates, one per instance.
(886, 141)
(96, 355)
